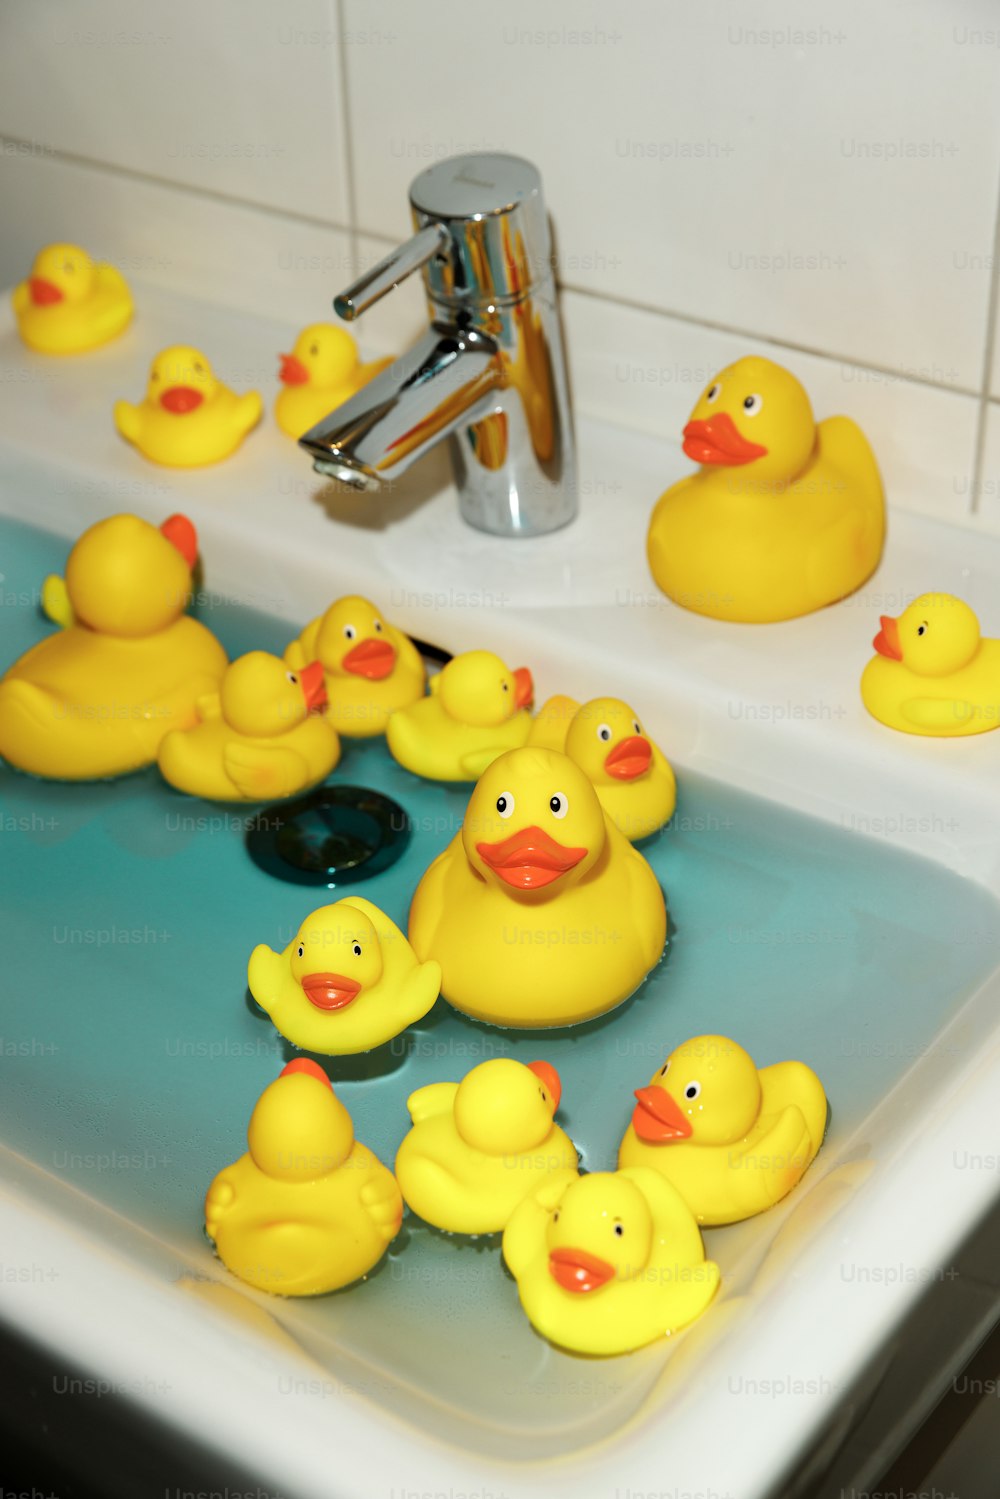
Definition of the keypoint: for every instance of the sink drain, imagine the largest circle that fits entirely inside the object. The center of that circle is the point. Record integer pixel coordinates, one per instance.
(334, 836)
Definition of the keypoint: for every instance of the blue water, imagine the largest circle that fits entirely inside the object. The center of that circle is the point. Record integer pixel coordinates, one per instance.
(132, 1058)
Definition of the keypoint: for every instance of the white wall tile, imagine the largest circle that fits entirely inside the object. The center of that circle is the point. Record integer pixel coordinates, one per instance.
(988, 504)
(237, 97)
(811, 174)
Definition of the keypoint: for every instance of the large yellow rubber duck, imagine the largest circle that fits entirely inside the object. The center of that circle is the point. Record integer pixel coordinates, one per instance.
(784, 516)
(320, 374)
(346, 982)
(95, 699)
(372, 669)
(478, 1147)
(608, 1262)
(933, 672)
(259, 737)
(69, 304)
(630, 774)
(476, 710)
(733, 1140)
(309, 1209)
(540, 911)
(188, 418)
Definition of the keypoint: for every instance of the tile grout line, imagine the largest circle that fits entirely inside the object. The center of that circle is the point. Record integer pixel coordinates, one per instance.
(345, 115)
(354, 231)
(982, 414)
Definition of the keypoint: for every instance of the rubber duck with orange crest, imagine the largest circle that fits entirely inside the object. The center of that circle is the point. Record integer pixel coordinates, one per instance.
(127, 666)
(785, 515)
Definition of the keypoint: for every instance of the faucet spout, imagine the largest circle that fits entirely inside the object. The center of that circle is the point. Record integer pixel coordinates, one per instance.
(448, 380)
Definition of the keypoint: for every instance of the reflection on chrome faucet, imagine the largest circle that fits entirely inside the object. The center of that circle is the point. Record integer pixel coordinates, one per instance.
(490, 374)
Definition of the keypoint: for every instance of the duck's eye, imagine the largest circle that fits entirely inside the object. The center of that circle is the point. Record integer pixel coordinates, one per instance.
(555, 1216)
(619, 1230)
(692, 1091)
(300, 951)
(637, 726)
(505, 804)
(69, 268)
(292, 678)
(665, 1068)
(199, 369)
(604, 732)
(922, 629)
(712, 394)
(349, 632)
(377, 627)
(356, 949)
(505, 686)
(154, 376)
(752, 404)
(558, 804)
(313, 349)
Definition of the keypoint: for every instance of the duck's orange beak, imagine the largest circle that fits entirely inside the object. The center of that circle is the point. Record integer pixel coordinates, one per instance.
(579, 1270)
(313, 683)
(292, 371)
(550, 1077)
(330, 991)
(308, 1066)
(719, 441)
(373, 659)
(180, 532)
(529, 858)
(629, 759)
(524, 688)
(180, 399)
(887, 641)
(657, 1118)
(44, 293)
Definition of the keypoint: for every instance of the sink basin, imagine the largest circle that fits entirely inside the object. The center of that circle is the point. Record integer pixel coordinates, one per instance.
(833, 893)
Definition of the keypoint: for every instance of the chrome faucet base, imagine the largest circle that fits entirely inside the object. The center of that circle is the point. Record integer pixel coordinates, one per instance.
(490, 375)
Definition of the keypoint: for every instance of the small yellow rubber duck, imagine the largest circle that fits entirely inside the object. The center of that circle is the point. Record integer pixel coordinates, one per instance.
(372, 669)
(933, 673)
(69, 304)
(309, 1209)
(630, 774)
(346, 982)
(95, 699)
(188, 418)
(476, 710)
(733, 1140)
(259, 737)
(321, 373)
(784, 516)
(540, 911)
(479, 1146)
(608, 1262)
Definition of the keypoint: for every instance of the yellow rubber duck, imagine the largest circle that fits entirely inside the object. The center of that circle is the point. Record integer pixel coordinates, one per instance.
(630, 774)
(320, 374)
(346, 982)
(309, 1209)
(259, 737)
(479, 1146)
(476, 710)
(189, 418)
(733, 1140)
(934, 673)
(95, 699)
(540, 911)
(69, 304)
(372, 669)
(608, 1262)
(784, 516)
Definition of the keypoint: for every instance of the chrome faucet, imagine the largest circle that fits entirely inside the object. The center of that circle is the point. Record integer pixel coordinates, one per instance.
(490, 374)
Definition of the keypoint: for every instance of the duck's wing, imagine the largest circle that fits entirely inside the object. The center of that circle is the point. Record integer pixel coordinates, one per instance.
(267, 971)
(475, 762)
(258, 772)
(113, 283)
(782, 1152)
(208, 706)
(218, 1200)
(249, 409)
(427, 1103)
(128, 420)
(551, 723)
(937, 712)
(383, 1202)
(56, 602)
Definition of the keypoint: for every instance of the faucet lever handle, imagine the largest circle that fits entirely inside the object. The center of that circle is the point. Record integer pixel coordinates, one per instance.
(432, 240)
